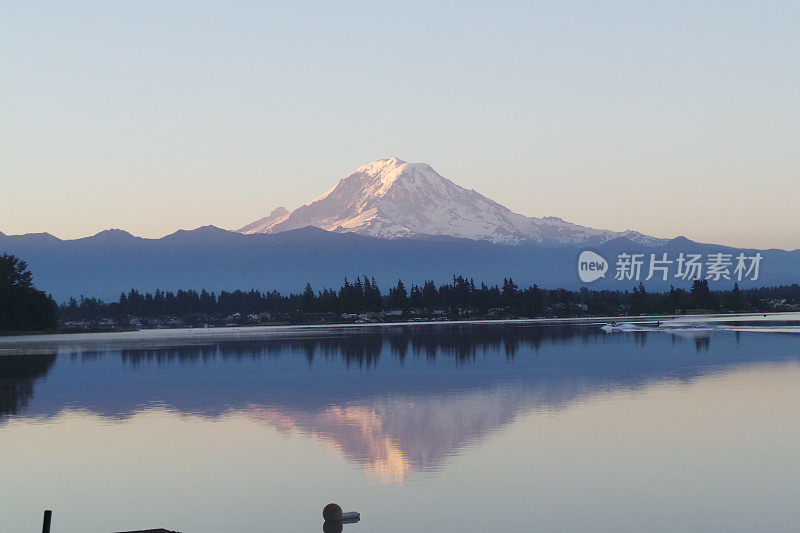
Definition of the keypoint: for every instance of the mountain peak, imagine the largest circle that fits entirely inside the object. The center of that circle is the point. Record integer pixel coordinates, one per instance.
(36, 237)
(199, 233)
(383, 171)
(380, 165)
(392, 198)
(390, 169)
(374, 180)
(113, 234)
(208, 229)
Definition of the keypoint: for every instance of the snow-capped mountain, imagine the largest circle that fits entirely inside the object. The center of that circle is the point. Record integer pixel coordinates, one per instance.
(390, 198)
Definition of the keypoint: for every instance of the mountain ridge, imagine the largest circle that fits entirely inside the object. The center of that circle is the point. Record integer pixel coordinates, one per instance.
(216, 260)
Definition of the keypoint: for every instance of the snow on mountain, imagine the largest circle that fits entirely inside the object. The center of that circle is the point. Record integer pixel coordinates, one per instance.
(260, 225)
(390, 198)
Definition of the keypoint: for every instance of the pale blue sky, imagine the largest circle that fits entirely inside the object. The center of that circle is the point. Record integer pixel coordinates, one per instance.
(666, 117)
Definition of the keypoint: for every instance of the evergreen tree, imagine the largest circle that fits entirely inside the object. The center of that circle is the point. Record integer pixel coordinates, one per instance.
(22, 306)
(735, 300)
(398, 297)
(701, 294)
(307, 299)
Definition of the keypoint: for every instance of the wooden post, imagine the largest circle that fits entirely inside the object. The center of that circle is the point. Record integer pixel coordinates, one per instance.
(48, 515)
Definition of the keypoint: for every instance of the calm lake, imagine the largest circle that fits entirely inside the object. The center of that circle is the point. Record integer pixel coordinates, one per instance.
(440, 428)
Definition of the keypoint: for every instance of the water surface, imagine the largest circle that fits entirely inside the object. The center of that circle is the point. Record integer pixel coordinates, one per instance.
(481, 427)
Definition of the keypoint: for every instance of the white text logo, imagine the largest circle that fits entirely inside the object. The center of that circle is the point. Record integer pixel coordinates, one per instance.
(591, 266)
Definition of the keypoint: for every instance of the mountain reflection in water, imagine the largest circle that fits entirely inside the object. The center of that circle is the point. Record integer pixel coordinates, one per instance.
(396, 400)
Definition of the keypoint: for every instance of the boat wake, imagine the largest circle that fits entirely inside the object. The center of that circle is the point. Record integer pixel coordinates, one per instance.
(704, 324)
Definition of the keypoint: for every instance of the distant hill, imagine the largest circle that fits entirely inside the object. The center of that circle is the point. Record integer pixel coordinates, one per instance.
(113, 261)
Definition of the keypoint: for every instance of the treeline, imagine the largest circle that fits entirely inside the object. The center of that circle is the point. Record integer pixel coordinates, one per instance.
(22, 306)
(461, 297)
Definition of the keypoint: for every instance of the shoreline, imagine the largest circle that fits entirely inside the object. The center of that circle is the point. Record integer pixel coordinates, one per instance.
(234, 332)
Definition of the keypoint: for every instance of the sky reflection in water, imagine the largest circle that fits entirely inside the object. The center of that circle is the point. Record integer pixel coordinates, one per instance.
(476, 427)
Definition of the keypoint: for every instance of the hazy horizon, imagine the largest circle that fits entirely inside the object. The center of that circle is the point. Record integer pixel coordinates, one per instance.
(670, 120)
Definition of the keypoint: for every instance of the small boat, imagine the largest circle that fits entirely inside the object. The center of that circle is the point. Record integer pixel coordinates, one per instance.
(612, 327)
